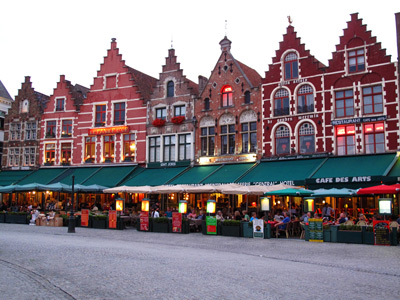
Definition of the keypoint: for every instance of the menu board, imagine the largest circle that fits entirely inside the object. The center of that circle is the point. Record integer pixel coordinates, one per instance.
(316, 230)
(144, 221)
(381, 233)
(258, 228)
(211, 224)
(112, 219)
(176, 222)
(85, 217)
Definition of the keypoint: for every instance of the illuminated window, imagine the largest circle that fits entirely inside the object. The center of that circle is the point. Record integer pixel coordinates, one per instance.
(51, 129)
(66, 128)
(161, 113)
(129, 147)
(282, 140)
(119, 113)
(207, 137)
(249, 137)
(228, 139)
(100, 115)
(372, 99)
(169, 148)
(60, 104)
(184, 146)
(109, 147)
(344, 103)
(305, 99)
(345, 140)
(90, 148)
(65, 153)
(180, 111)
(374, 138)
(247, 97)
(227, 96)
(50, 153)
(154, 149)
(30, 131)
(291, 66)
(281, 103)
(170, 89)
(356, 60)
(307, 138)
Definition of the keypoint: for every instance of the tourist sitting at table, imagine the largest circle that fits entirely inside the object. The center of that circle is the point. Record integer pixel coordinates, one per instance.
(192, 215)
(168, 213)
(341, 219)
(156, 213)
(202, 215)
(238, 217)
(253, 216)
(246, 217)
(219, 216)
(362, 218)
(306, 217)
(316, 216)
(283, 223)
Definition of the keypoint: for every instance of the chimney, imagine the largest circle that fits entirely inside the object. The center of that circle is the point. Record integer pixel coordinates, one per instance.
(202, 83)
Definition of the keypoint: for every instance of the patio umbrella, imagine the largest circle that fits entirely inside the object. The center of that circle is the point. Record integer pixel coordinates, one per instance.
(169, 189)
(31, 187)
(334, 192)
(206, 189)
(247, 190)
(379, 189)
(117, 189)
(145, 189)
(290, 192)
(58, 187)
(8, 189)
(93, 188)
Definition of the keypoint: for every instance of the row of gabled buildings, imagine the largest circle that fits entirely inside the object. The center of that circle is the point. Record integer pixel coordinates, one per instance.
(299, 109)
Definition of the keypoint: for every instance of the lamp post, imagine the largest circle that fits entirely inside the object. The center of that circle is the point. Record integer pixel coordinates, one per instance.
(385, 206)
(265, 205)
(183, 206)
(71, 219)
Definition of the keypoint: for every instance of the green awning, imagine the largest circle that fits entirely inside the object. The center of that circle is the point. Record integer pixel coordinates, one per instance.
(110, 176)
(290, 172)
(395, 171)
(228, 173)
(43, 176)
(194, 175)
(81, 175)
(12, 177)
(154, 177)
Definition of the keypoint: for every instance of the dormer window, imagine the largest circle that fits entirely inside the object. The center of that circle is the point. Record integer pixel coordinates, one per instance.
(356, 60)
(227, 96)
(291, 66)
(170, 89)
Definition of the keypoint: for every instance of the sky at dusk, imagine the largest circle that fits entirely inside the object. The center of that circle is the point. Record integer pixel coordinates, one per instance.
(45, 39)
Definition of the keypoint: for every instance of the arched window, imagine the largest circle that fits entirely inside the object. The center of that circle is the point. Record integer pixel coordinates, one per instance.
(227, 96)
(291, 66)
(170, 89)
(305, 99)
(307, 138)
(247, 97)
(207, 104)
(282, 140)
(281, 102)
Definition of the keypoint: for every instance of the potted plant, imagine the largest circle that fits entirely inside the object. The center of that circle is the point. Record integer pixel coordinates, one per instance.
(230, 228)
(349, 234)
(178, 119)
(159, 122)
(160, 224)
(99, 221)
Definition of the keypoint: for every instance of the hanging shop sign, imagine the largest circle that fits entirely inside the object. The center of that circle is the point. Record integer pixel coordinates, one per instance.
(359, 120)
(258, 228)
(85, 218)
(108, 130)
(381, 233)
(176, 222)
(144, 221)
(112, 219)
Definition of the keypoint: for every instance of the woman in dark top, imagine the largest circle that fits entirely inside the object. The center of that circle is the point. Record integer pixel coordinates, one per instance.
(238, 217)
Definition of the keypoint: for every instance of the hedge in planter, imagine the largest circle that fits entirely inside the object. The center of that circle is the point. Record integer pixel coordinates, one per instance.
(350, 234)
(160, 225)
(99, 221)
(2, 217)
(16, 218)
(247, 229)
(231, 228)
(368, 235)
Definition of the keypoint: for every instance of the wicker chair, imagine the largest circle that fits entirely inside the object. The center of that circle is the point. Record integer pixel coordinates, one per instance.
(349, 222)
(361, 223)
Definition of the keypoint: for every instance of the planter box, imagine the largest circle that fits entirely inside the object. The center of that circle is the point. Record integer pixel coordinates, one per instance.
(160, 227)
(16, 219)
(247, 231)
(348, 236)
(267, 231)
(230, 230)
(394, 241)
(2, 218)
(367, 236)
(99, 223)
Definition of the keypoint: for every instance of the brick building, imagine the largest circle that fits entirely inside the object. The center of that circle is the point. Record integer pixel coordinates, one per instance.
(5, 104)
(228, 112)
(22, 128)
(170, 112)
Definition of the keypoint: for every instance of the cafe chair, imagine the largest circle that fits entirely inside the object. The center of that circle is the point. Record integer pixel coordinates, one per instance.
(394, 224)
(349, 222)
(361, 223)
(295, 231)
(286, 231)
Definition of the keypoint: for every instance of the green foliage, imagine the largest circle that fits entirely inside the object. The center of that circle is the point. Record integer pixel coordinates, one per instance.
(17, 213)
(350, 227)
(160, 220)
(231, 223)
(100, 217)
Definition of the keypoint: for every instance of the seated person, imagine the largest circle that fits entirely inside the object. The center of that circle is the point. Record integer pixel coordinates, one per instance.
(168, 213)
(192, 215)
(238, 217)
(307, 217)
(253, 216)
(202, 215)
(219, 216)
(362, 218)
(341, 219)
(245, 216)
(283, 223)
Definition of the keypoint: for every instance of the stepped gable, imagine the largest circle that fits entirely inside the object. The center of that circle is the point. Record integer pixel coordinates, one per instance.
(78, 92)
(3, 92)
(144, 82)
(27, 89)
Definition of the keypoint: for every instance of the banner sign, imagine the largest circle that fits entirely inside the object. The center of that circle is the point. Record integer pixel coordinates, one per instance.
(381, 233)
(316, 230)
(144, 221)
(176, 222)
(359, 120)
(112, 219)
(85, 218)
(108, 130)
(211, 224)
(258, 228)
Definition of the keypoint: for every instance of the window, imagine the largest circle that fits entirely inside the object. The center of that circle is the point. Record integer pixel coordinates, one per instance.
(356, 60)
(207, 104)
(60, 104)
(29, 156)
(227, 96)
(281, 102)
(305, 99)
(108, 148)
(372, 98)
(25, 106)
(66, 128)
(161, 113)
(207, 137)
(249, 137)
(30, 131)
(129, 147)
(100, 115)
(15, 131)
(50, 153)
(180, 111)
(65, 153)
(307, 138)
(228, 139)
(13, 157)
(345, 136)
(154, 149)
(247, 97)
(90, 148)
(291, 66)
(51, 129)
(170, 89)
(282, 140)
(169, 148)
(185, 144)
(119, 113)
(111, 82)
(374, 138)
(344, 103)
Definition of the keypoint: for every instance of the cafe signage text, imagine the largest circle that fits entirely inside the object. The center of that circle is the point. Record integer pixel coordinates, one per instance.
(108, 130)
(359, 120)
(343, 179)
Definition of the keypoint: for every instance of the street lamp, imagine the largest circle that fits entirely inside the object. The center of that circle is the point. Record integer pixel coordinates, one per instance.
(211, 206)
(385, 206)
(183, 206)
(265, 205)
(71, 219)
(145, 204)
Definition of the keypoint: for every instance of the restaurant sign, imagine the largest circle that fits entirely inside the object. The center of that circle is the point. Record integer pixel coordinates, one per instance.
(258, 228)
(108, 130)
(359, 120)
(211, 223)
(381, 233)
(345, 179)
(205, 160)
(112, 219)
(85, 217)
(316, 230)
(176, 222)
(144, 221)
(183, 163)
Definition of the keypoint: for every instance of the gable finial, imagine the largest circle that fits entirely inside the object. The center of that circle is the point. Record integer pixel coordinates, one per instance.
(172, 42)
(226, 27)
(290, 20)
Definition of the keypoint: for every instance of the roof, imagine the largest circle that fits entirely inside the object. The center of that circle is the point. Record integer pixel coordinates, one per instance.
(251, 74)
(144, 82)
(3, 92)
(42, 100)
(79, 94)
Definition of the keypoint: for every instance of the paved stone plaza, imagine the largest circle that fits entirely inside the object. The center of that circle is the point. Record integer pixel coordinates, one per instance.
(49, 263)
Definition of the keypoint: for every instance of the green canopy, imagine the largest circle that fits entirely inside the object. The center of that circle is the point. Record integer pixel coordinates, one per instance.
(58, 187)
(31, 187)
(8, 189)
(334, 192)
(290, 192)
(93, 188)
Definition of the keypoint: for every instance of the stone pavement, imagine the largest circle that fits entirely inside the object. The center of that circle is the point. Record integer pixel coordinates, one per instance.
(49, 263)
